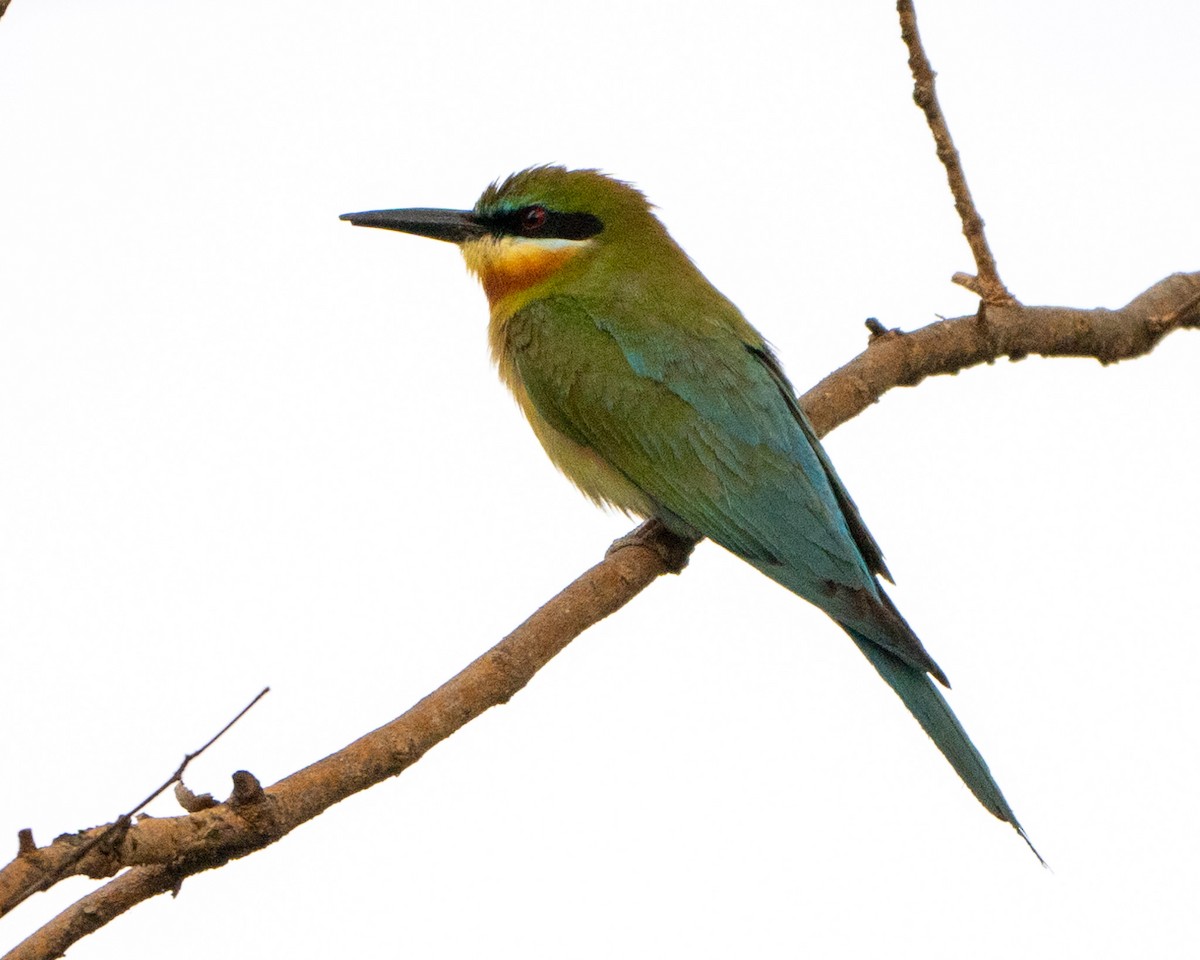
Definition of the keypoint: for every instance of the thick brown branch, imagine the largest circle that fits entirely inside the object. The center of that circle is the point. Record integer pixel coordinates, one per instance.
(986, 283)
(94, 911)
(253, 818)
(895, 359)
(164, 851)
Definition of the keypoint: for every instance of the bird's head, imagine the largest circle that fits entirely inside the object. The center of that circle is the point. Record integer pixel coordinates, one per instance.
(538, 231)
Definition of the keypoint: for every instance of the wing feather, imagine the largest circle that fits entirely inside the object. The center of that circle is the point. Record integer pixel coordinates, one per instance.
(698, 423)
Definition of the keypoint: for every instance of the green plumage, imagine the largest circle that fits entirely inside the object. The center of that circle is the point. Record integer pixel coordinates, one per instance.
(651, 391)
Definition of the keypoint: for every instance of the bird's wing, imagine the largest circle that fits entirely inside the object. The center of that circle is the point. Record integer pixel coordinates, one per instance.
(708, 429)
(704, 423)
(867, 546)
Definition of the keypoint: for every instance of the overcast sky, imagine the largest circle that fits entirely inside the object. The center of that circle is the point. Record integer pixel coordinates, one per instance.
(242, 443)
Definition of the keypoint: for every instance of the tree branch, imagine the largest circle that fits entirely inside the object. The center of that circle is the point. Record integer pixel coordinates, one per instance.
(93, 911)
(986, 283)
(897, 359)
(254, 818)
(167, 850)
(108, 837)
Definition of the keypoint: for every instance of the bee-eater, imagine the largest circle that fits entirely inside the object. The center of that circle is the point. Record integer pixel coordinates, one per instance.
(654, 395)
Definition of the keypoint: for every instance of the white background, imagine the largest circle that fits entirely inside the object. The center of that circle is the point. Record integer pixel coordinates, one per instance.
(242, 443)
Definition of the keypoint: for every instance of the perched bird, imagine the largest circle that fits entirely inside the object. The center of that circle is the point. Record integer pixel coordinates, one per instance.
(654, 395)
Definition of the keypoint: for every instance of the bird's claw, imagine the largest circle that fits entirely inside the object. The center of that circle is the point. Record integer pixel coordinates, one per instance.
(671, 548)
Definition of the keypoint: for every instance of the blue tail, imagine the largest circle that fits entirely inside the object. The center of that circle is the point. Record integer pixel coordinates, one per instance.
(933, 713)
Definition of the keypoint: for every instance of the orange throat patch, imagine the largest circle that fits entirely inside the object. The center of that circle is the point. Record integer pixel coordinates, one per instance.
(509, 266)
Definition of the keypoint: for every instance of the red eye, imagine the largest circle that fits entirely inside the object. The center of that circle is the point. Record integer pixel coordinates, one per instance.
(533, 219)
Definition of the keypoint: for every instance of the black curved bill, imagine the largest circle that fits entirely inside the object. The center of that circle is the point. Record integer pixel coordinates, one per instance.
(453, 226)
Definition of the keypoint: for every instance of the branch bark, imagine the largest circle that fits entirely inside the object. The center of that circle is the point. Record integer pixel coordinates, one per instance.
(164, 851)
(986, 283)
(897, 359)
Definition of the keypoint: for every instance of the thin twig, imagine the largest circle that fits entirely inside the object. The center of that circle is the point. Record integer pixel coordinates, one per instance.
(188, 758)
(111, 834)
(986, 283)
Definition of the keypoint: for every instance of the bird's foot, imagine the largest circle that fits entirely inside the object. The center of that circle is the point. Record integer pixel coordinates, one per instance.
(671, 548)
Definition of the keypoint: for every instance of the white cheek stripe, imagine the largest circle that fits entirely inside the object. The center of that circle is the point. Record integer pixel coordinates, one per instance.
(541, 243)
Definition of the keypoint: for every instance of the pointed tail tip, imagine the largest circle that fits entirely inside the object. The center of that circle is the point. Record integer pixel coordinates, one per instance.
(915, 687)
(1029, 843)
